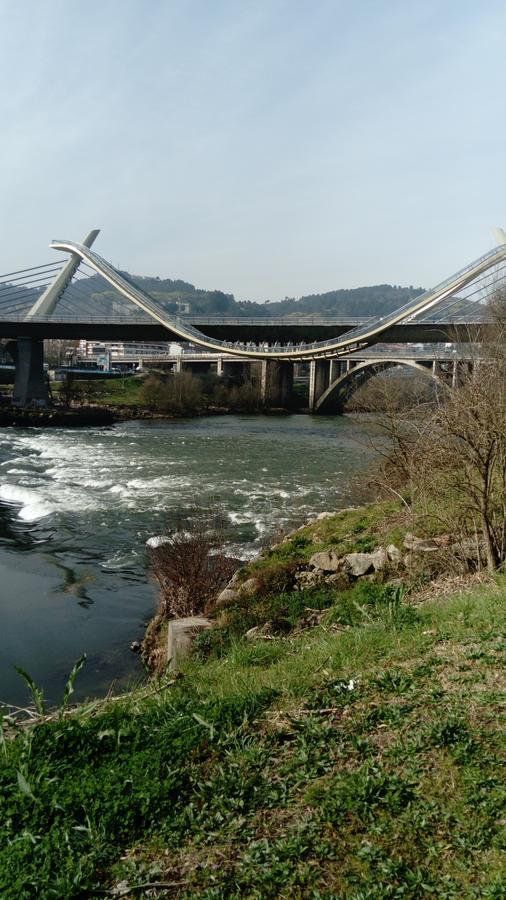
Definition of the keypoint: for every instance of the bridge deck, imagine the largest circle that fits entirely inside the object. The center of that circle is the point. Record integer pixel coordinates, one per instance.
(242, 330)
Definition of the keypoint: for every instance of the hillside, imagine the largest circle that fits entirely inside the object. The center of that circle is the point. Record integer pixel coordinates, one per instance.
(354, 753)
(175, 295)
(362, 301)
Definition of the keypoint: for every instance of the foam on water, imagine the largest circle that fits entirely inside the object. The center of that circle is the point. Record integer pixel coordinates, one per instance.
(155, 473)
(33, 506)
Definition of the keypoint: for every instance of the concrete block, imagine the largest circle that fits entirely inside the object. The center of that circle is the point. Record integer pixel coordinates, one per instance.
(181, 636)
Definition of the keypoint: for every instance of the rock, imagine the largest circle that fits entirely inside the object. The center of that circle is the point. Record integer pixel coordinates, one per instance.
(226, 598)
(339, 581)
(379, 559)
(326, 560)
(309, 578)
(394, 555)
(259, 632)
(467, 549)
(324, 515)
(419, 545)
(359, 563)
(135, 646)
(249, 588)
(181, 635)
(311, 618)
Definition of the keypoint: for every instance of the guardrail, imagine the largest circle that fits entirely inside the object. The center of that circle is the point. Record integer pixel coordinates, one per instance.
(219, 320)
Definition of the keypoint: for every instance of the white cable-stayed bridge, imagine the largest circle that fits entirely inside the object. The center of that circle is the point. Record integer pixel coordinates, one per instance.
(81, 295)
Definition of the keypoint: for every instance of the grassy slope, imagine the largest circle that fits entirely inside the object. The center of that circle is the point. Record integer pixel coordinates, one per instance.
(111, 391)
(260, 774)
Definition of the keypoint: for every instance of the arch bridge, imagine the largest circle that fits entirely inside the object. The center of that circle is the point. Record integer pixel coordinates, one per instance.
(32, 300)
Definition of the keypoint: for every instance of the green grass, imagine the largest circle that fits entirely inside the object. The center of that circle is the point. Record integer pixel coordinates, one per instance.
(259, 773)
(109, 391)
(348, 531)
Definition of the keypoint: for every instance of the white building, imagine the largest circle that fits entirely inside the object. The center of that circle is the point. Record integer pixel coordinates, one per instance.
(128, 349)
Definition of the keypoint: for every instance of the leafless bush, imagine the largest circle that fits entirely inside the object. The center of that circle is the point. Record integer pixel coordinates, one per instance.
(399, 413)
(239, 398)
(191, 568)
(177, 393)
(398, 389)
(451, 458)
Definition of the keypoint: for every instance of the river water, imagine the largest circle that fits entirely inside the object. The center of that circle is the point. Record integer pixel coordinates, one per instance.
(77, 507)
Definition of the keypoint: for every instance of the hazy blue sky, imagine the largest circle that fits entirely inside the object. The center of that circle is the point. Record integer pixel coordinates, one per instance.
(264, 147)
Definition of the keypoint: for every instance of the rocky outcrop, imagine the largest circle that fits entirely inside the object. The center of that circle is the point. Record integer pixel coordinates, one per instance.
(327, 568)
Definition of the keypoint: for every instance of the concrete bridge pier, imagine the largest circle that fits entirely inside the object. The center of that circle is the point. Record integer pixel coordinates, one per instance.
(319, 380)
(276, 382)
(30, 385)
(229, 369)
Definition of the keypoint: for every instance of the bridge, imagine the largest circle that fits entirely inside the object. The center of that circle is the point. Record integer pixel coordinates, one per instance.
(51, 301)
(331, 382)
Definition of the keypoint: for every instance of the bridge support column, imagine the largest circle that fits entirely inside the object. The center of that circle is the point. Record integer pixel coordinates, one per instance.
(455, 374)
(319, 380)
(276, 384)
(335, 370)
(228, 369)
(30, 385)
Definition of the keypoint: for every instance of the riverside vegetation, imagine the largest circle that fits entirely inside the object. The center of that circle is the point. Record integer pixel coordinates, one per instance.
(173, 394)
(328, 738)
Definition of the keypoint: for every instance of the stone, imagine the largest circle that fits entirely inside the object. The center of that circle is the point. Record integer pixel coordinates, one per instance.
(309, 578)
(135, 646)
(419, 545)
(181, 635)
(467, 549)
(226, 598)
(394, 555)
(324, 515)
(249, 588)
(359, 563)
(326, 560)
(259, 632)
(379, 559)
(339, 581)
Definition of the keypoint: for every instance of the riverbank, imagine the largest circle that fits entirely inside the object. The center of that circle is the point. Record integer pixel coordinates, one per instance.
(351, 747)
(77, 506)
(54, 417)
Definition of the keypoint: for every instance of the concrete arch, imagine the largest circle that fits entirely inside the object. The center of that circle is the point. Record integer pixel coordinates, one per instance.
(343, 387)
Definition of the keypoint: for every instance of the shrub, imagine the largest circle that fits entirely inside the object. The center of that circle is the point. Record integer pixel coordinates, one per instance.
(178, 394)
(191, 569)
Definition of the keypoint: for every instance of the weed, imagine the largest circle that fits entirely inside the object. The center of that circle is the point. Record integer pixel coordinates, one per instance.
(310, 766)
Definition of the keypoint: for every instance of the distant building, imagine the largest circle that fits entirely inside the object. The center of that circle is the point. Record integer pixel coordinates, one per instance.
(119, 350)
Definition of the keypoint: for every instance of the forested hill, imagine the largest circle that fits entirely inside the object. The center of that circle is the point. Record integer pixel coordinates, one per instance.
(181, 296)
(364, 301)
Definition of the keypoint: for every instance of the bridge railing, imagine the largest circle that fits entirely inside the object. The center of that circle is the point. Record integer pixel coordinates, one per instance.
(231, 322)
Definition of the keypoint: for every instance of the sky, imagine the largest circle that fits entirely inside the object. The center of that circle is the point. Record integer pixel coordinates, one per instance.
(266, 148)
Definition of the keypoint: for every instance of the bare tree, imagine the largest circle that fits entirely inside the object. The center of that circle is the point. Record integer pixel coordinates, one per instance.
(191, 568)
(178, 393)
(451, 457)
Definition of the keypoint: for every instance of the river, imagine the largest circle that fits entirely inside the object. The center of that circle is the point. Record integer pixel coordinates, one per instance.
(77, 507)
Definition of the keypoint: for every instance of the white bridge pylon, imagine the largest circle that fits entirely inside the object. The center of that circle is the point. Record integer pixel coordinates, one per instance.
(357, 338)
